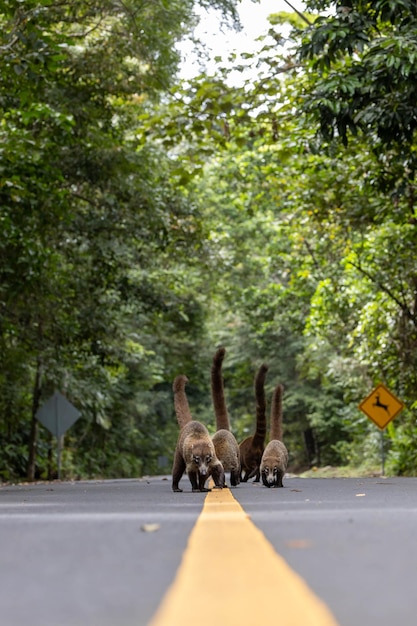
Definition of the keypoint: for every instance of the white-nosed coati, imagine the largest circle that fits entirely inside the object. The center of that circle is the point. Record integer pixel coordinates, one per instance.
(225, 444)
(251, 448)
(275, 457)
(194, 453)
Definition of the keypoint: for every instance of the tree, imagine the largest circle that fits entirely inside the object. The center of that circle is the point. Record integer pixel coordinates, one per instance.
(87, 206)
(340, 241)
(362, 80)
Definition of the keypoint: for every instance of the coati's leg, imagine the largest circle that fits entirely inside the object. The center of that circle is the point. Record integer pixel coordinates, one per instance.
(280, 476)
(195, 480)
(178, 470)
(245, 477)
(234, 478)
(202, 481)
(250, 474)
(217, 474)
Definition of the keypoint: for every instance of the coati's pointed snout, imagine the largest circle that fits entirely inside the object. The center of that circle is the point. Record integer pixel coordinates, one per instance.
(268, 478)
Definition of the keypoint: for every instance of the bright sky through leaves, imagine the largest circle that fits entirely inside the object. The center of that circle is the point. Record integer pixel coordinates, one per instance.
(222, 41)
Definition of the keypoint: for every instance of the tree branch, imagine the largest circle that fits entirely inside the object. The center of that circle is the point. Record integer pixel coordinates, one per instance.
(311, 253)
(404, 308)
(303, 17)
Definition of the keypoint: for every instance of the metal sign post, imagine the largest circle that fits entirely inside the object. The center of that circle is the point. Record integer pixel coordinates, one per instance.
(57, 415)
(58, 455)
(382, 453)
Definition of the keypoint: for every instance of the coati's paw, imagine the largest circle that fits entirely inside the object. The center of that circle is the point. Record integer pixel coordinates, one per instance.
(177, 490)
(218, 487)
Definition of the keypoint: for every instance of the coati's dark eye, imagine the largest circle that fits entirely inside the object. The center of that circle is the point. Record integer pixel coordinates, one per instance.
(197, 459)
(266, 469)
(208, 458)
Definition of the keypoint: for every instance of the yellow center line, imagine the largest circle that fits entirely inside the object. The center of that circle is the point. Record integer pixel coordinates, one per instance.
(230, 574)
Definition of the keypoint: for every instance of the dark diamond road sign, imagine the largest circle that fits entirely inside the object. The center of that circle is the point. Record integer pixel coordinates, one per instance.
(57, 414)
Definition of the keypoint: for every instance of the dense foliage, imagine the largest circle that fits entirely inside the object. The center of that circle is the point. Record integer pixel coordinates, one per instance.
(144, 222)
(95, 234)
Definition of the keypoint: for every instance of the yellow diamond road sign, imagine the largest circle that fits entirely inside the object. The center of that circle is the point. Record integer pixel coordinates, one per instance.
(381, 406)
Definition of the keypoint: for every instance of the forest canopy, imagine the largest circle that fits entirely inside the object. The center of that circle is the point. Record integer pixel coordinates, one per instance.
(146, 220)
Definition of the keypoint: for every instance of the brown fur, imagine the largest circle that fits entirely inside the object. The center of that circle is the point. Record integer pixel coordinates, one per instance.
(227, 451)
(225, 444)
(182, 409)
(217, 391)
(275, 457)
(251, 448)
(194, 452)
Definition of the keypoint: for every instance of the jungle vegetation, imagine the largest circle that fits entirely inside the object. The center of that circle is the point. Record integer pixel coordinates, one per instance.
(145, 220)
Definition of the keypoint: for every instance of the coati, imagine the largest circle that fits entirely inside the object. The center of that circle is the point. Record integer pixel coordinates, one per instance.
(225, 444)
(194, 452)
(275, 457)
(251, 448)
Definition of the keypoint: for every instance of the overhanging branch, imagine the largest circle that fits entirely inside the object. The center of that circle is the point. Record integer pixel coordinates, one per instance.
(404, 308)
(303, 17)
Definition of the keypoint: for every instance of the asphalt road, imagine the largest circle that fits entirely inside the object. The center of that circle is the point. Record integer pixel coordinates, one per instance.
(352, 540)
(89, 553)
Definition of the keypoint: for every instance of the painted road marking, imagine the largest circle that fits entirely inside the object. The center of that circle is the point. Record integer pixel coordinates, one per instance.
(230, 574)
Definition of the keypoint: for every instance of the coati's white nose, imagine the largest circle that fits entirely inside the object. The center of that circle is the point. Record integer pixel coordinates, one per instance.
(203, 471)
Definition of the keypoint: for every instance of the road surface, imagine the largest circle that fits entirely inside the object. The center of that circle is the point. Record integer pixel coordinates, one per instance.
(103, 553)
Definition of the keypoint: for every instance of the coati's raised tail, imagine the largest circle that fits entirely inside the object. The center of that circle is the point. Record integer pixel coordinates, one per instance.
(217, 391)
(194, 452)
(225, 444)
(275, 457)
(182, 408)
(251, 448)
(275, 427)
